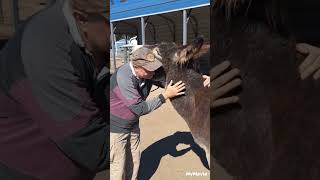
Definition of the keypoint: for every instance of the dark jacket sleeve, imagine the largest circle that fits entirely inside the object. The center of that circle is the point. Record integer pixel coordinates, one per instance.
(132, 99)
(61, 81)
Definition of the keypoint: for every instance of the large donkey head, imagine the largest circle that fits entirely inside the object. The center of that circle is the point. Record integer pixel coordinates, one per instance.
(173, 56)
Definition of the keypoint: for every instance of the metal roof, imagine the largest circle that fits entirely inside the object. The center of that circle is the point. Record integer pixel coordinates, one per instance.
(129, 9)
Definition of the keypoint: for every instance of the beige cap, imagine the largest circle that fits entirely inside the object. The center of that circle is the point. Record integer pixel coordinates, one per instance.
(92, 6)
(144, 57)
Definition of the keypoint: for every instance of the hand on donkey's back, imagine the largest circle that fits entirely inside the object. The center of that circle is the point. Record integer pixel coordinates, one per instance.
(223, 82)
(311, 64)
(173, 90)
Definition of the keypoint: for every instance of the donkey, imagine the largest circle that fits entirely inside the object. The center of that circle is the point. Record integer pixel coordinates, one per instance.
(182, 63)
(187, 63)
(273, 133)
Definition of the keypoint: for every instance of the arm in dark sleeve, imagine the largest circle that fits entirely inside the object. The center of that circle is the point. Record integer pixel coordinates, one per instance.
(145, 107)
(134, 101)
(61, 103)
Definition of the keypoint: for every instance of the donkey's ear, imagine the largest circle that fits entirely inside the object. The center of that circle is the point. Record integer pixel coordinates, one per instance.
(156, 52)
(188, 52)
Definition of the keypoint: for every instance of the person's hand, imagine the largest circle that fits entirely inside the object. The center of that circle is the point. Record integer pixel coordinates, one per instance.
(174, 90)
(206, 82)
(311, 64)
(222, 83)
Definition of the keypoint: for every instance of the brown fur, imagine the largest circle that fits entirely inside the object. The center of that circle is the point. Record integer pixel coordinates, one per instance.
(194, 106)
(272, 134)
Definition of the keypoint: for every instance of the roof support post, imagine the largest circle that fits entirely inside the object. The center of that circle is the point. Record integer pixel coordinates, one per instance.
(143, 27)
(15, 14)
(1, 13)
(113, 46)
(186, 17)
(126, 50)
(185, 28)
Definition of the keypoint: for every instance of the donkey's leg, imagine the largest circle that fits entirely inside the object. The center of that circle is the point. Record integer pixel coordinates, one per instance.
(204, 147)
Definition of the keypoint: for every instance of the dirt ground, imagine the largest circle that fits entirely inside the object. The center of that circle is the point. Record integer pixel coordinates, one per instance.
(167, 147)
(168, 150)
(163, 133)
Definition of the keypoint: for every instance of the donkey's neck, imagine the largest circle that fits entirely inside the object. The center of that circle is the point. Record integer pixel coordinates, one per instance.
(193, 82)
(190, 77)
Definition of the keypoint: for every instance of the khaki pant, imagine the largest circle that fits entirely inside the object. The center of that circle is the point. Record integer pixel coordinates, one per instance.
(120, 145)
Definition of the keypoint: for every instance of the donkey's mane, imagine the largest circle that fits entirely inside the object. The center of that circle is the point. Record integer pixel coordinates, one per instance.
(275, 11)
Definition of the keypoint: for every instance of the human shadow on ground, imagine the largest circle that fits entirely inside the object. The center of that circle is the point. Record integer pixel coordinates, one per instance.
(151, 157)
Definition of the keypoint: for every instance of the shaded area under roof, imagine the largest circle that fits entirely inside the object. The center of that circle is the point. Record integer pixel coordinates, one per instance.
(168, 27)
